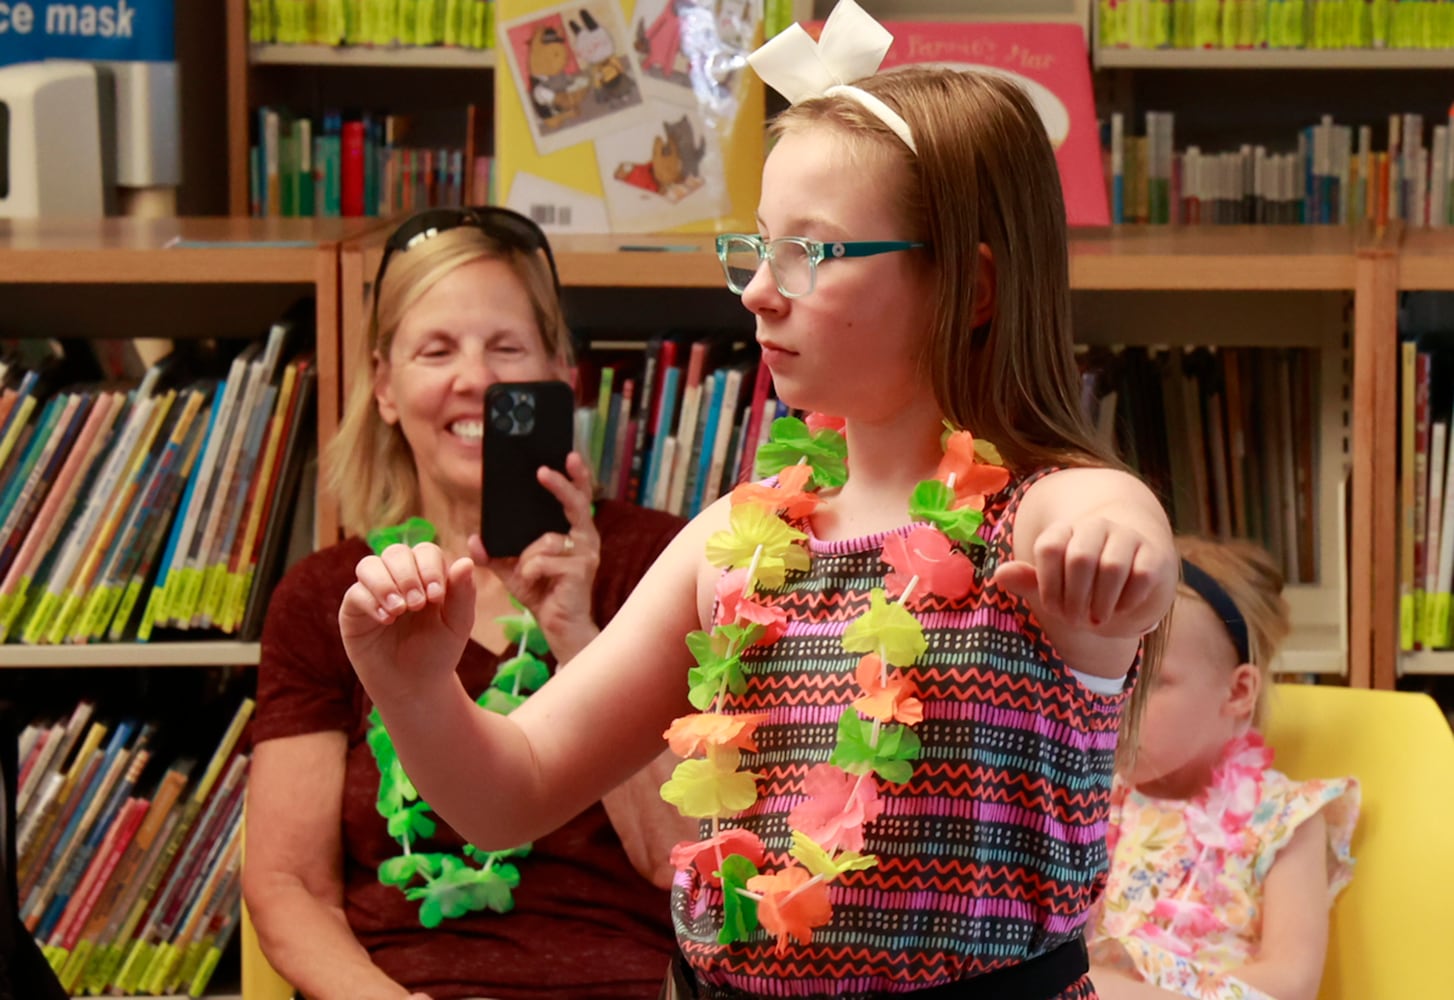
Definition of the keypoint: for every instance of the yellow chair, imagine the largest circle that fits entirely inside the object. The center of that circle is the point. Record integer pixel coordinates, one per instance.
(1393, 927)
(259, 980)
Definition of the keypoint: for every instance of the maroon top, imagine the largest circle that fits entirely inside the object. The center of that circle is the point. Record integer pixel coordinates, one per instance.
(585, 924)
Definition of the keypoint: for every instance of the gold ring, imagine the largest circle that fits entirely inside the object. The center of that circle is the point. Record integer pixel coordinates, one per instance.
(567, 545)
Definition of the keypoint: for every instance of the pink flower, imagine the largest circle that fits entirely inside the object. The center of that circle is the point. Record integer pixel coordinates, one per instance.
(1187, 919)
(733, 608)
(928, 554)
(1157, 935)
(837, 807)
(706, 854)
(822, 421)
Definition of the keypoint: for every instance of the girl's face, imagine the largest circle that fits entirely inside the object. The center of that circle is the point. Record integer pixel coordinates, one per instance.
(850, 347)
(1200, 701)
(474, 328)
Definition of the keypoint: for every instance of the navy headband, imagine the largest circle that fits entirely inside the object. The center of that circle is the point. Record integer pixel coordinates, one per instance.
(1221, 603)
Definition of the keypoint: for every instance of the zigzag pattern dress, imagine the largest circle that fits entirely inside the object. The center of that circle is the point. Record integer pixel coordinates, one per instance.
(992, 853)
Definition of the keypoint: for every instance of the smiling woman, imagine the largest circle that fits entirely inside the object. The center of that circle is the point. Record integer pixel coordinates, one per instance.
(356, 890)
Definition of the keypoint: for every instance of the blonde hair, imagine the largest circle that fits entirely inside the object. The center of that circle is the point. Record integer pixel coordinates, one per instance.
(984, 173)
(369, 467)
(1254, 582)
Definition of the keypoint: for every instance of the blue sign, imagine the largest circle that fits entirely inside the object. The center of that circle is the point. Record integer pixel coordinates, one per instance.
(119, 30)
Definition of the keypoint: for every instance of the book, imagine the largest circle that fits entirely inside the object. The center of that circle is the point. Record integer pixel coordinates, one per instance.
(1050, 63)
(600, 128)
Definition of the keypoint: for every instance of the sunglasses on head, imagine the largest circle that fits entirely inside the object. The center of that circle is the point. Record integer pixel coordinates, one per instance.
(507, 227)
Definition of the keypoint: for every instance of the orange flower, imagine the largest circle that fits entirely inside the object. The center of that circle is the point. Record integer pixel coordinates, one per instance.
(693, 734)
(735, 609)
(973, 480)
(706, 854)
(893, 701)
(789, 497)
(793, 917)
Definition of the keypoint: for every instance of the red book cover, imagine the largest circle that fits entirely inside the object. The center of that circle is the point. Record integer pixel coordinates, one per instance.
(351, 180)
(1051, 63)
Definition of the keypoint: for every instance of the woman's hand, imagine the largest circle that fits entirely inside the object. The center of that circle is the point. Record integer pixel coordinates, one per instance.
(407, 617)
(553, 576)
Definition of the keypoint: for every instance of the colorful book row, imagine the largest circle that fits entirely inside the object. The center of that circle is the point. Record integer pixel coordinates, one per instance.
(1276, 24)
(462, 23)
(128, 889)
(126, 511)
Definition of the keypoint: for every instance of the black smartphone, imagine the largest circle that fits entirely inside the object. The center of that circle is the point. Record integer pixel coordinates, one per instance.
(527, 425)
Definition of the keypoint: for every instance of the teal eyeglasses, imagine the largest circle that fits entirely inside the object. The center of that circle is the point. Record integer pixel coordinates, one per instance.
(793, 260)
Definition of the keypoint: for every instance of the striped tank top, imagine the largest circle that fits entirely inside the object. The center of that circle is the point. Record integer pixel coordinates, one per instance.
(993, 852)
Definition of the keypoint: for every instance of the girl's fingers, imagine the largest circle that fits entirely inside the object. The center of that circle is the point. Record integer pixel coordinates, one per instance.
(1141, 584)
(377, 581)
(1112, 573)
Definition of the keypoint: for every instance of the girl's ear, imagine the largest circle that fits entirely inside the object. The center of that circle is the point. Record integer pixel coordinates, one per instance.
(383, 392)
(984, 288)
(1243, 687)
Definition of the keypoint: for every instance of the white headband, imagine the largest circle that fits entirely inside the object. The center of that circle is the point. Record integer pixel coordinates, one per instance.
(851, 46)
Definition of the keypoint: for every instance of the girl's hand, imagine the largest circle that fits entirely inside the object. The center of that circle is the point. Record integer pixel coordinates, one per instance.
(553, 576)
(406, 617)
(1096, 574)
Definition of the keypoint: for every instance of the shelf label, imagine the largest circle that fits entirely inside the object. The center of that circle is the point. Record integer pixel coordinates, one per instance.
(110, 30)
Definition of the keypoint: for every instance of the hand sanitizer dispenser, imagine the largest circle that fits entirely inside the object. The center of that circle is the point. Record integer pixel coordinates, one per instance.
(57, 140)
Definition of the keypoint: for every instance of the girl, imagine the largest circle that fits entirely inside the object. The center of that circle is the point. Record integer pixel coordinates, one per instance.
(1223, 869)
(910, 272)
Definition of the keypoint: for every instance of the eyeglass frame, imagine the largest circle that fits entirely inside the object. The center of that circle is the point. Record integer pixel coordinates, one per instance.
(818, 251)
(526, 236)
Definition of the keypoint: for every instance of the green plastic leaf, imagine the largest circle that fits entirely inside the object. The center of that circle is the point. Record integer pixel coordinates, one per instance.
(492, 857)
(411, 821)
(713, 667)
(500, 702)
(521, 673)
(856, 752)
(402, 870)
(888, 630)
(411, 533)
(460, 889)
(931, 501)
(523, 624)
(739, 912)
(791, 441)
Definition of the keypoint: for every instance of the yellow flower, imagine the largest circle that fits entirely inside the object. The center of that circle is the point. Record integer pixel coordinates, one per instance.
(750, 527)
(812, 857)
(712, 786)
(888, 630)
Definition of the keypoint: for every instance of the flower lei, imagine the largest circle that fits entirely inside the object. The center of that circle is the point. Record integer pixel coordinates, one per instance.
(451, 884)
(875, 733)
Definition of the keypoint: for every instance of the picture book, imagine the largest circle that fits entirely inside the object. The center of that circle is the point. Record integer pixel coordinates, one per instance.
(629, 115)
(1051, 64)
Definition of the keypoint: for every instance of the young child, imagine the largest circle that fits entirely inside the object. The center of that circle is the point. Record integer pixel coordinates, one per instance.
(908, 701)
(1223, 870)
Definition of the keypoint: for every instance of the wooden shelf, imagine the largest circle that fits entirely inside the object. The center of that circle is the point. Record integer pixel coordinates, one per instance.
(1209, 258)
(218, 653)
(1426, 661)
(1330, 59)
(401, 57)
(169, 251)
(1426, 260)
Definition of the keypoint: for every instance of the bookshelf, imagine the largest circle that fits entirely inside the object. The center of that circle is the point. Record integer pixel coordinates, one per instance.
(403, 57)
(219, 653)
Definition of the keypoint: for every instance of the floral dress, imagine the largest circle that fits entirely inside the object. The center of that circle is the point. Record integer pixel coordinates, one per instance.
(1184, 904)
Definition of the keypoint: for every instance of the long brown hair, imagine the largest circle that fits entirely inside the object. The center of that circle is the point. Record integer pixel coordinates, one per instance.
(368, 465)
(984, 173)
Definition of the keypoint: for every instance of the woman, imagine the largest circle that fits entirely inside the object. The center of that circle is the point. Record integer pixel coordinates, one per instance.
(339, 893)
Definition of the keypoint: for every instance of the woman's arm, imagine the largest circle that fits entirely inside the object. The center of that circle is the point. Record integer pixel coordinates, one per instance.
(1289, 962)
(404, 625)
(1095, 559)
(293, 876)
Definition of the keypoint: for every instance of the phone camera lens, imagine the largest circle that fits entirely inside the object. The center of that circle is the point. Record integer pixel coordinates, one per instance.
(524, 411)
(503, 423)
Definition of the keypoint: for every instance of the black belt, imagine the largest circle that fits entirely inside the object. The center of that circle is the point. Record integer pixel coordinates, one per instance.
(1040, 978)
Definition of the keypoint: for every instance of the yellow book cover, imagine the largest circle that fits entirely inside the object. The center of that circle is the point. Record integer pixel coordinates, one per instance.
(629, 116)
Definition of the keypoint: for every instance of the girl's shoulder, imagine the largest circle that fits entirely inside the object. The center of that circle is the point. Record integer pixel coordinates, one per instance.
(1287, 803)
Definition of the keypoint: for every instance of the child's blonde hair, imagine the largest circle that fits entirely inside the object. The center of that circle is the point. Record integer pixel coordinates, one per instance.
(1254, 582)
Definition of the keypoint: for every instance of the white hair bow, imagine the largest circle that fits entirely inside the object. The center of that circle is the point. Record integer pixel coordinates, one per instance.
(851, 46)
